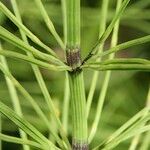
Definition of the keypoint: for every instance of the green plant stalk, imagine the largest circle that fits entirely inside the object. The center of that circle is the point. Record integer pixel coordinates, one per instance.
(106, 80)
(36, 70)
(103, 20)
(122, 61)
(66, 100)
(123, 46)
(131, 67)
(76, 83)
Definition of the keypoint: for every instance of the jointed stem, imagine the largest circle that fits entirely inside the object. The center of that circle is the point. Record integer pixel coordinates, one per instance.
(77, 91)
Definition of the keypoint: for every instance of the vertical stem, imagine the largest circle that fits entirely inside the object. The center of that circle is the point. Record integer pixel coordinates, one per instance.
(77, 90)
(106, 80)
(66, 99)
(103, 21)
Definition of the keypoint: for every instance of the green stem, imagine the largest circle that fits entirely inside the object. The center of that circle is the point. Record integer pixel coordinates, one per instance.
(103, 20)
(144, 67)
(79, 121)
(125, 45)
(66, 99)
(49, 23)
(106, 81)
(76, 83)
(66, 103)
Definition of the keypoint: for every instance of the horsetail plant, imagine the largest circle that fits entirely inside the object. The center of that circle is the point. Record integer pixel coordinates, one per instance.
(75, 104)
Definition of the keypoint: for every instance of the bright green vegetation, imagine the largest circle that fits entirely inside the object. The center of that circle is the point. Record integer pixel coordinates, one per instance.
(57, 94)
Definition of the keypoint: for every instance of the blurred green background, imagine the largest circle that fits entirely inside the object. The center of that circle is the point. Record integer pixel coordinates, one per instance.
(127, 90)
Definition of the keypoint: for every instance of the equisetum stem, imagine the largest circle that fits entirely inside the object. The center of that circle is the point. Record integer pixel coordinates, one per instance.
(76, 83)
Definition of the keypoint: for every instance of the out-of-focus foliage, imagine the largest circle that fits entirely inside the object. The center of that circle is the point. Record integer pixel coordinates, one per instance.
(127, 90)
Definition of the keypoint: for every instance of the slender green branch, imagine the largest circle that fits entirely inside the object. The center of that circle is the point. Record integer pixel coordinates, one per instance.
(122, 61)
(108, 30)
(42, 64)
(125, 45)
(66, 100)
(15, 140)
(49, 23)
(76, 83)
(106, 80)
(140, 67)
(24, 29)
(103, 20)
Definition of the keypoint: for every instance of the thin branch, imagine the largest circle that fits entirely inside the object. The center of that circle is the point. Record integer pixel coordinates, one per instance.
(66, 100)
(28, 59)
(103, 92)
(131, 67)
(103, 20)
(108, 30)
(125, 45)
(49, 23)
